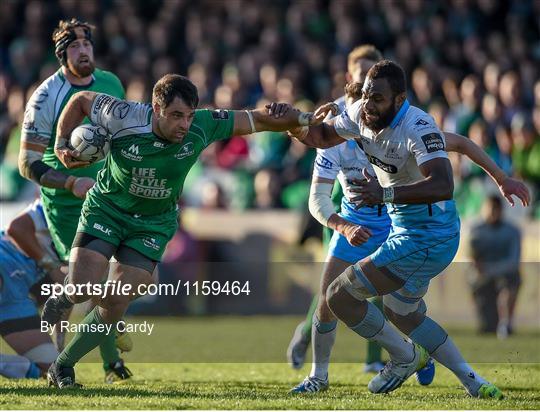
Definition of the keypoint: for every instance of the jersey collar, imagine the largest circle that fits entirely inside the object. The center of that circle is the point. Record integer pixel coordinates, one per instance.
(85, 86)
(402, 110)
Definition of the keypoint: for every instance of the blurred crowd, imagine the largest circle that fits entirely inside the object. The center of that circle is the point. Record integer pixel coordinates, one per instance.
(473, 65)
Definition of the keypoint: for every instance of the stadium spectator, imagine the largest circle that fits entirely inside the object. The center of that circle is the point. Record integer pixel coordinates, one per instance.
(495, 246)
(239, 52)
(526, 151)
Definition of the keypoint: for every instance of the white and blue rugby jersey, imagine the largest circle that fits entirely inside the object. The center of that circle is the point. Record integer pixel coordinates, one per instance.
(396, 152)
(43, 236)
(345, 162)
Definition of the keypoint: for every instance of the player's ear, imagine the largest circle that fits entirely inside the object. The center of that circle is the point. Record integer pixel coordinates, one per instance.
(400, 99)
(348, 77)
(156, 108)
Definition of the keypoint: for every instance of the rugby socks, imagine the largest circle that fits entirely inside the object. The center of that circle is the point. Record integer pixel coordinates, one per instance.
(109, 351)
(435, 339)
(374, 350)
(18, 367)
(306, 330)
(84, 340)
(375, 328)
(323, 336)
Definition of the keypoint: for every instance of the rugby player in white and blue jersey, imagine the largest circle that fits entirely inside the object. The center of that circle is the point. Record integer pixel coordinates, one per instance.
(415, 180)
(27, 259)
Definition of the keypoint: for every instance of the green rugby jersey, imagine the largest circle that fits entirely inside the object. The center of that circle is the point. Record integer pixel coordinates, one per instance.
(62, 208)
(144, 174)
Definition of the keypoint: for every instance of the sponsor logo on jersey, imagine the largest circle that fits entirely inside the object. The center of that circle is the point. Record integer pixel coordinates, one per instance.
(422, 124)
(151, 243)
(102, 228)
(392, 152)
(220, 114)
(39, 98)
(31, 125)
(101, 101)
(381, 165)
(120, 110)
(352, 169)
(132, 153)
(185, 151)
(323, 162)
(146, 184)
(433, 142)
(161, 145)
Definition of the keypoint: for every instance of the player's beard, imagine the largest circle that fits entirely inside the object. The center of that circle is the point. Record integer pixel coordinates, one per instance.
(383, 119)
(82, 70)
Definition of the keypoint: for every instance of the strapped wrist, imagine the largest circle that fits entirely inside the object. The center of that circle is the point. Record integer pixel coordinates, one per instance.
(60, 143)
(251, 121)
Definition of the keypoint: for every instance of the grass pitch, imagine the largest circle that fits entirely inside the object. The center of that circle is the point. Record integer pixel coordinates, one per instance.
(261, 382)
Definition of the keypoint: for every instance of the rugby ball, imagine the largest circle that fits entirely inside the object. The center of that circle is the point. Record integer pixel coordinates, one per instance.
(92, 143)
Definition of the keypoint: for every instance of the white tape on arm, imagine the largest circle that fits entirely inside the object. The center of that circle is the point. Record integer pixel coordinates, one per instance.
(251, 122)
(320, 202)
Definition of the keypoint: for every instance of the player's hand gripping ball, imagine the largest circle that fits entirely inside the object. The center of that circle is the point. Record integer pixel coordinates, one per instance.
(91, 143)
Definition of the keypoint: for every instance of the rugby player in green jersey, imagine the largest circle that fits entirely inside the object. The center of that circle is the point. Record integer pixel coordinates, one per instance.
(131, 212)
(63, 190)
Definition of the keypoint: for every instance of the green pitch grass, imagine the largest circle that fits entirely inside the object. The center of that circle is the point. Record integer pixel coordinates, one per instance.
(261, 382)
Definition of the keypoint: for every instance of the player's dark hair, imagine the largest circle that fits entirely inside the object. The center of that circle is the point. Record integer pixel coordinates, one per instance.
(64, 34)
(175, 85)
(393, 72)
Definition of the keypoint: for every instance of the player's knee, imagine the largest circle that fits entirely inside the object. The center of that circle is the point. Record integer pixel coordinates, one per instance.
(323, 311)
(343, 287)
(332, 293)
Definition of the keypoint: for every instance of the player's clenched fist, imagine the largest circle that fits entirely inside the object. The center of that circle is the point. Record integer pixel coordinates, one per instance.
(67, 156)
(356, 234)
(79, 186)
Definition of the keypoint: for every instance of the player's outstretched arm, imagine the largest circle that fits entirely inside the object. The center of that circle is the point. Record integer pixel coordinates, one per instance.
(322, 209)
(77, 108)
(508, 186)
(282, 117)
(319, 134)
